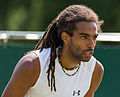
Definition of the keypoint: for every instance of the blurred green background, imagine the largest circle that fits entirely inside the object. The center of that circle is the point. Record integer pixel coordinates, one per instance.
(107, 53)
(36, 15)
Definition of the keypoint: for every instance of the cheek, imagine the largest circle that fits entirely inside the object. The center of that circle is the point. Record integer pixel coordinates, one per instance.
(79, 45)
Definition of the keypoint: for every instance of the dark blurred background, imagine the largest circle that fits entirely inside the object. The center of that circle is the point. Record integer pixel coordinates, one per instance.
(35, 15)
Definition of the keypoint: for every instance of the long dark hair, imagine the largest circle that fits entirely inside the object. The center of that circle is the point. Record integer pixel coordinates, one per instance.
(64, 22)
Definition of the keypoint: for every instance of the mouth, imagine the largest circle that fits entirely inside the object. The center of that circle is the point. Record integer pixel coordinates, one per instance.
(88, 53)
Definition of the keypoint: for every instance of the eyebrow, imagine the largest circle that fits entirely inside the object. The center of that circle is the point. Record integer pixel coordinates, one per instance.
(82, 33)
(86, 34)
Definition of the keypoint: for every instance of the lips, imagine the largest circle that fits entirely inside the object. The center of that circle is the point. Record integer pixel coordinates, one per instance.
(88, 53)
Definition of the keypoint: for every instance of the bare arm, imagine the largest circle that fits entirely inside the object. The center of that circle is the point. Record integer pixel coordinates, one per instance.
(24, 76)
(96, 79)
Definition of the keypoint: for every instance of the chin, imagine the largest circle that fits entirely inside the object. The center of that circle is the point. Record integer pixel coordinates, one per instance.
(86, 59)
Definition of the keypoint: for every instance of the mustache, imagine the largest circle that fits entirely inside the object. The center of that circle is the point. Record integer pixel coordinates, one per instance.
(88, 50)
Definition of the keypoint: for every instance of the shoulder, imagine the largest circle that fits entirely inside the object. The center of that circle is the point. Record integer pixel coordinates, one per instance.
(99, 69)
(96, 78)
(29, 59)
(97, 75)
(24, 76)
(28, 67)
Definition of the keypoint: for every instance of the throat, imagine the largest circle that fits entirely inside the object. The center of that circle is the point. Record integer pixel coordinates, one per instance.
(66, 62)
(68, 67)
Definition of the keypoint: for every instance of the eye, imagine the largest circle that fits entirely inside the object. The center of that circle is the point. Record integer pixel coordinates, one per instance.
(83, 37)
(95, 37)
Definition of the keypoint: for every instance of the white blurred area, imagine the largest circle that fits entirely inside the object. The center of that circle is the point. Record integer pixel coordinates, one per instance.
(36, 35)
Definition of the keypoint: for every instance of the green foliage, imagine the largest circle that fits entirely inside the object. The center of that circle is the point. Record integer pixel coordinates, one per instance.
(37, 14)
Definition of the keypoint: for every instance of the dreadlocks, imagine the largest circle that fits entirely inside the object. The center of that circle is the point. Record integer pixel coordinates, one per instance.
(64, 22)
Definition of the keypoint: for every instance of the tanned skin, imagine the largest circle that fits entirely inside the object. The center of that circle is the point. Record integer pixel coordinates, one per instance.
(24, 76)
(27, 71)
(84, 37)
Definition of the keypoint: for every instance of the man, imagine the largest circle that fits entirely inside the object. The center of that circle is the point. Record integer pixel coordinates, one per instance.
(62, 64)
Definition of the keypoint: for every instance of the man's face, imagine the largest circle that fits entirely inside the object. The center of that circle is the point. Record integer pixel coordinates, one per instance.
(83, 41)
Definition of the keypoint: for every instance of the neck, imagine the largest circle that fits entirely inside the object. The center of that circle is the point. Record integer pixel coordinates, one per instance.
(67, 61)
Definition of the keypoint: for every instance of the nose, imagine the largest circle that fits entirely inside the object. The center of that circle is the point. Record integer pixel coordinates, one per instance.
(91, 43)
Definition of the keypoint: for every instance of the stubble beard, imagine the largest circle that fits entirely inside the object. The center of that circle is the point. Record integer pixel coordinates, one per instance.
(78, 56)
(74, 52)
(77, 53)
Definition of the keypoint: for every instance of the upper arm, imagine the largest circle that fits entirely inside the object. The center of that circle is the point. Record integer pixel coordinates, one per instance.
(24, 76)
(96, 79)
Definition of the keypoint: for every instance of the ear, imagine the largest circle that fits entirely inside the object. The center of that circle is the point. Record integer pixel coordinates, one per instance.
(65, 37)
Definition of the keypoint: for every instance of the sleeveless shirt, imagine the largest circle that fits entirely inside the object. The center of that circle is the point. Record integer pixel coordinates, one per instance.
(66, 86)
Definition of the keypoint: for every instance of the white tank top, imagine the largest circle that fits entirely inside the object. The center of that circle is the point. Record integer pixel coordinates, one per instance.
(66, 86)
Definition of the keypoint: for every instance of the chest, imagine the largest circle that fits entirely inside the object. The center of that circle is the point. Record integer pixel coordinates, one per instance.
(66, 86)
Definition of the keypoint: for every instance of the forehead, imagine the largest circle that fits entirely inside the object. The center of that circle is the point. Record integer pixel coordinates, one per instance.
(86, 27)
